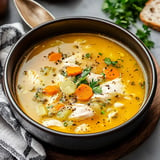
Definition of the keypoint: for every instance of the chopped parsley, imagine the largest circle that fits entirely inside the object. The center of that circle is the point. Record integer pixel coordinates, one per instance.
(67, 123)
(79, 79)
(102, 112)
(88, 55)
(95, 87)
(94, 83)
(125, 13)
(108, 61)
(97, 90)
(86, 72)
(100, 54)
(143, 35)
(103, 75)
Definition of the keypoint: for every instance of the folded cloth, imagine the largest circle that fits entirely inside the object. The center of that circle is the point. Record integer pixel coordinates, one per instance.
(15, 141)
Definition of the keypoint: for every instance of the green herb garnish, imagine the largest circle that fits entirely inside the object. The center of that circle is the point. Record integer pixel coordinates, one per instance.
(143, 35)
(88, 55)
(95, 87)
(102, 112)
(100, 54)
(67, 123)
(126, 13)
(103, 75)
(94, 83)
(108, 61)
(79, 79)
(97, 90)
(84, 81)
(86, 72)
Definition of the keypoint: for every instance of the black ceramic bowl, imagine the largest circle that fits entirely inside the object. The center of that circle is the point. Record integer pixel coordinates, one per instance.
(75, 25)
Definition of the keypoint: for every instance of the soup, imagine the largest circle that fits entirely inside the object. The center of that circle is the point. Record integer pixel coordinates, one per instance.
(80, 83)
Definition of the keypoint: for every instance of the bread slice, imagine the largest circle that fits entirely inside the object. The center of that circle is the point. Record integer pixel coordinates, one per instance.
(150, 15)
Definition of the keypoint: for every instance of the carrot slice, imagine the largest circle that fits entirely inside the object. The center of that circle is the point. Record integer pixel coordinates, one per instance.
(54, 56)
(111, 73)
(51, 90)
(59, 106)
(73, 71)
(84, 92)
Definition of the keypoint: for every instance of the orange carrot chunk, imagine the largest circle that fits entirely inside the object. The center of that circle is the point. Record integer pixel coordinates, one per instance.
(111, 73)
(73, 71)
(51, 90)
(54, 56)
(84, 92)
(59, 106)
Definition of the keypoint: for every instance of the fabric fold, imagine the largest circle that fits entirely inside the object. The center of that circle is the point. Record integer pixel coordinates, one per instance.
(15, 141)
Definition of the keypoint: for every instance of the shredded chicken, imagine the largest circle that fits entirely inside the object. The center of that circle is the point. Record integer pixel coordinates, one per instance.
(82, 128)
(110, 89)
(52, 122)
(118, 105)
(81, 111)
(112, 114)
(70, 61)
(94, 76)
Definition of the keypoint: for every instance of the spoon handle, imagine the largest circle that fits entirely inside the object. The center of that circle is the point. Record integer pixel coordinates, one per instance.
(32, 12)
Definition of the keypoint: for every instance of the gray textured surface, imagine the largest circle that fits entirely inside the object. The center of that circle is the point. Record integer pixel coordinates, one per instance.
(149, 150)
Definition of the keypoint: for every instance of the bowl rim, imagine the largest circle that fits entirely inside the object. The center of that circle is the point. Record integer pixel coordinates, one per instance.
(143, 108)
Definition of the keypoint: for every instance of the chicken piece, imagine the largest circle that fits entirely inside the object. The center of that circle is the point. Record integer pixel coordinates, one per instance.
(94, 76)
(118, 105)
(112, 114)
(69, 61)
(33, 77)
(81, 112)
(31, 80)
(59, 78)
(110, 89)
(52, 122)
(127, 97)
(82, 128)
(52, 99)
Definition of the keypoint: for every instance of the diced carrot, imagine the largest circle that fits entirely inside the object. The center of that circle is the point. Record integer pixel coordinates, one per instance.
(54, 56)
(73, 71)
(111, 73)
(84, 92)
(59, 106)
(51, 90)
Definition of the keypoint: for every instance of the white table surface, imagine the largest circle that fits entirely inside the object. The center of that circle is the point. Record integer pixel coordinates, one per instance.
(150, 149)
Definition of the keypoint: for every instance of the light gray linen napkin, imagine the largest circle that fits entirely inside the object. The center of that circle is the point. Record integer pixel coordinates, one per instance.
(15, 141)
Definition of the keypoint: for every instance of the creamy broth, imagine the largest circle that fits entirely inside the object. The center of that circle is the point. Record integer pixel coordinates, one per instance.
(80, 83)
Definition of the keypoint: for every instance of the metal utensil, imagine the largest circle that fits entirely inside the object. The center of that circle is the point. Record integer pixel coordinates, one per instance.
(32, 12)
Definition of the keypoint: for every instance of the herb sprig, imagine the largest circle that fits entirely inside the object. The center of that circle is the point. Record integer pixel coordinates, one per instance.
(143, 35)
(82, 78)
(95, 87)
(126, 13)
(108, 61)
